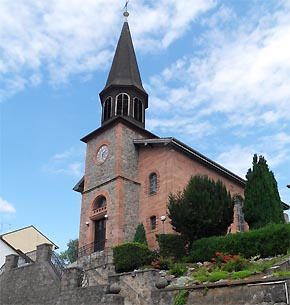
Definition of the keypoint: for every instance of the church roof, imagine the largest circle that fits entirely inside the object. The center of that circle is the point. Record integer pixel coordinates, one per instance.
(119, 119)
(191, 153)
(124, 70)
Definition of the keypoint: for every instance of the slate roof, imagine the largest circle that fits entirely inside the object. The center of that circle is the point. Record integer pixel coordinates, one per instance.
(124, 70)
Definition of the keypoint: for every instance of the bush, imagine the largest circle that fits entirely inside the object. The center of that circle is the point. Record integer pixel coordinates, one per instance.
(165, 263)
(269, 241)
(217, 275)
(171, 245)
(229, 262)
(140, 235)
(130, 256)
(177, 270)
(181, 297)
(241, 274)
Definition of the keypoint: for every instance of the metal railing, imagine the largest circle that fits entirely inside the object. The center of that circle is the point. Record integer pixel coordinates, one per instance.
(83, 280)
(91, 248)
(56, 264)
(2, 269)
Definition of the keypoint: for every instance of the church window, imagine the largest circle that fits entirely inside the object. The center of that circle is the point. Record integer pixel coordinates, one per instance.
(122, 104)
(138, 110)
(107, 108)
(153, 183)
(100, 202)
(153, 222)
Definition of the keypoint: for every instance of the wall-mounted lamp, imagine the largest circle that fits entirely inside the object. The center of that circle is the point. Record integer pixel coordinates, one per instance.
(87, 223)
(163, 218)
(106, 216)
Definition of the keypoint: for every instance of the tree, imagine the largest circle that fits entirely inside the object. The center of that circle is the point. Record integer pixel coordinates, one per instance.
(71, 254)
(140, 235)
(262, 200)
(203, 209)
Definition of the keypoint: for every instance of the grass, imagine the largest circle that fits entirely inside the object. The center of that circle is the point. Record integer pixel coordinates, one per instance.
(217, 275)
(201, 278)
(282, 273)
(241, 274)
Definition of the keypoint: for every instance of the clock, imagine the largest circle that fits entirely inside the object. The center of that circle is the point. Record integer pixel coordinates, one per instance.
(102, 153)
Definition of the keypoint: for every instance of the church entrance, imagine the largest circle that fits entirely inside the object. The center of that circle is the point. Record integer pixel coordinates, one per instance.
(100, 235)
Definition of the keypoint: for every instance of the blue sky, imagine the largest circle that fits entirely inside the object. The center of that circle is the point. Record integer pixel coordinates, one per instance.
(217, 74)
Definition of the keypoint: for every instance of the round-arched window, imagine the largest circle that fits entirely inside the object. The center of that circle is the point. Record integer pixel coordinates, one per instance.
(100, 202)
(153, 183)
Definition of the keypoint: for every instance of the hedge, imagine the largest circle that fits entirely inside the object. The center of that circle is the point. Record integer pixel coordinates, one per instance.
(269, 241)
(130, 256)
(171, 245)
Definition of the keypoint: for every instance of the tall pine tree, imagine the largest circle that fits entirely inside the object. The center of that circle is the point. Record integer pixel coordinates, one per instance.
(262, 200)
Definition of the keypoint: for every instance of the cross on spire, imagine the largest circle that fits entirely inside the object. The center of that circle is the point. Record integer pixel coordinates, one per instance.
(126, 14)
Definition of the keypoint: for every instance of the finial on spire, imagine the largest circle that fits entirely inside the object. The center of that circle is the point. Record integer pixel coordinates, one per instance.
(126, 14)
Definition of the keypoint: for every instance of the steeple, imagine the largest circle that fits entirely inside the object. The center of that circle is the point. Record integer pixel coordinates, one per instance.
(124, 70)
(124, 94)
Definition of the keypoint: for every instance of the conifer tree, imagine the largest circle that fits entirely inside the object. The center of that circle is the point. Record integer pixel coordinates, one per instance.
(203, 209)
(140, 235)
(262, 200)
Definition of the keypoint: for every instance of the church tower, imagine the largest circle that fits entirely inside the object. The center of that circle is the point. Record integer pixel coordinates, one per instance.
(110, 188)
(124, 94)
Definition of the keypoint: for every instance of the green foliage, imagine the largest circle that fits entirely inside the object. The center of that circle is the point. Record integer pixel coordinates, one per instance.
(262, 200)
(282, 273)
(177, 269)
(203, 209)
(165, 263)
(229, 262)
(181, 297)
(140, 235)
(217, 275)
(130, 256)
(241, 274)
(268, 241)
(71, 254)
(202, 278)
(171, 245)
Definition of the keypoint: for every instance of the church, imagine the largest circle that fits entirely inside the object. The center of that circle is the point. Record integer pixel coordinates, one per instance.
(129, 171)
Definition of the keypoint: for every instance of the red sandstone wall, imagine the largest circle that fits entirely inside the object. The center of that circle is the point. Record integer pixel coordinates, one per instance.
(174, 170)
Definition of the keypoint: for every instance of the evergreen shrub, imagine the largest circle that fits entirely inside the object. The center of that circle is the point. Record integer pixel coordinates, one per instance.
(140, 235)
(130, 256)
(171, 245)
(271, 240)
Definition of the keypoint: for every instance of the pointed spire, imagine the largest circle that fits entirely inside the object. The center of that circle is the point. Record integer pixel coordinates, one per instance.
(124, 70)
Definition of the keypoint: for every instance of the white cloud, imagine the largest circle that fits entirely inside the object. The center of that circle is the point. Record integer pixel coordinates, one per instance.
(69, 162)
(6, 206)
(242, 75)
(237, 159)
(69, 37)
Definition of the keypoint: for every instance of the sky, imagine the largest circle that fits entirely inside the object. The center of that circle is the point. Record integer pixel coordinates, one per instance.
(217, 73)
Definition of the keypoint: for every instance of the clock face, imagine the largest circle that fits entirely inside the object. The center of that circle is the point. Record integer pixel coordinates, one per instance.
(102, 154)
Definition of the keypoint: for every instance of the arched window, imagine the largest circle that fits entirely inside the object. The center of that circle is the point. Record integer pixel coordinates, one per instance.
(107, 108)
(153, 183)
(239, 205)
(153, 222)
(100, 202)
(138, 110)
(122, 104)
